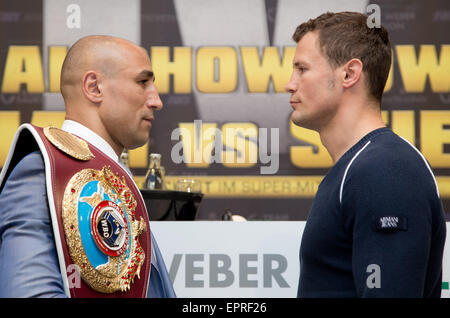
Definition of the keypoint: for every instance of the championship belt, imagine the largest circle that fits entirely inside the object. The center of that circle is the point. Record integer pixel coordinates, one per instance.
(99, 218)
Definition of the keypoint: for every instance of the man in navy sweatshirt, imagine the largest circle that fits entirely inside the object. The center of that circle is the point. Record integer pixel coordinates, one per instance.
(376, 227)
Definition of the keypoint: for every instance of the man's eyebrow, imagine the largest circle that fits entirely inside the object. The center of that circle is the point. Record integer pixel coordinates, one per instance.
(299, 63)
(146, 74)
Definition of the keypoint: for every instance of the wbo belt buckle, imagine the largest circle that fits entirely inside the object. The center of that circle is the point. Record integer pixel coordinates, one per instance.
(101, 230)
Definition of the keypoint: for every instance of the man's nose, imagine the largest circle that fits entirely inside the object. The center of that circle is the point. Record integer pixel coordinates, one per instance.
(290, 86)
(154, 101)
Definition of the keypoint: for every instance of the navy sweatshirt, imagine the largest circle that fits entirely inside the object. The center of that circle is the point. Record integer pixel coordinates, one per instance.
(376, 227)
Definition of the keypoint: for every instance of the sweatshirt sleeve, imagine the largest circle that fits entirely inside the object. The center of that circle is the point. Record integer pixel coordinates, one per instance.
(387, 206)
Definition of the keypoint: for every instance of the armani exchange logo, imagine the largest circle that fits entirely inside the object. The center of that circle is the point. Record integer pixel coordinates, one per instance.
(389, 221)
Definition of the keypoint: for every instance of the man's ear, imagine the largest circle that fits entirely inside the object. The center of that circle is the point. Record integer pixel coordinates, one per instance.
(91, 87)
(351, 72)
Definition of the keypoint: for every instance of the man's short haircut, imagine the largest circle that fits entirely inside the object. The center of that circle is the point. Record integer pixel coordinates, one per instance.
(76, 58)
(346, 35)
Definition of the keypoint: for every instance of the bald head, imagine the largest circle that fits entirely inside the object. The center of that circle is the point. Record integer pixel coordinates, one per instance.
(99, 53)
(108, 86)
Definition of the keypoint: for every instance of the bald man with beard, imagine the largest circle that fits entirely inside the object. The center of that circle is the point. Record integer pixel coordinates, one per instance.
(110, 97)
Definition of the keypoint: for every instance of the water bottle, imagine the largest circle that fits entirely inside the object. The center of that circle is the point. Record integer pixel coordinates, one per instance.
(154, 179)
